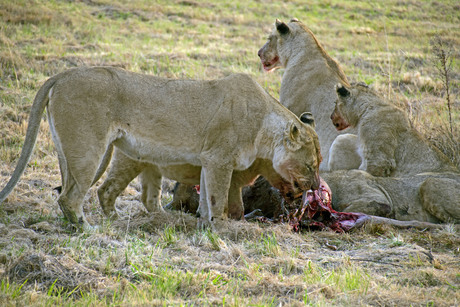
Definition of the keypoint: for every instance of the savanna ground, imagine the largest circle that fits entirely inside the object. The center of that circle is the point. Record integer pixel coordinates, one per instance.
(163, 259)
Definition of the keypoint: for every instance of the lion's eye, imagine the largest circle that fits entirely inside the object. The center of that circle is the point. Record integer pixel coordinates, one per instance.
(312, 166)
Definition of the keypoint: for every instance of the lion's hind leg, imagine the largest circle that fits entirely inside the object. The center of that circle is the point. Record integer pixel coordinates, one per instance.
(78, 165)
(235, 202)
(76, 182)
(344, 153)
(122, 171)
(70, 202)
(441, 198)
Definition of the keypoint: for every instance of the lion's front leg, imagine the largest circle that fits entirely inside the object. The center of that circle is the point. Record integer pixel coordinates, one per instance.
(214, 197)
(151, 188)
(378, 164)
(235, 206)
(378, 154)
(203, 213)
(383, 169)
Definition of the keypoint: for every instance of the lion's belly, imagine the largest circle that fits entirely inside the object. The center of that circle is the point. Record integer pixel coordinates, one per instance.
(184, 173)
(156, 152)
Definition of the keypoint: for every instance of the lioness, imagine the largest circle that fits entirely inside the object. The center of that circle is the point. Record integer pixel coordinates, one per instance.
(309, 79)
(389, 145)
(230, 123)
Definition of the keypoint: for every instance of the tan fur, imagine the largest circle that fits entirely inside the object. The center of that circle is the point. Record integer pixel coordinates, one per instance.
(308, 85)
(309, 79)
(222, 125)
(389, 145)
(125, 169)
(344, 153)
(428, 197)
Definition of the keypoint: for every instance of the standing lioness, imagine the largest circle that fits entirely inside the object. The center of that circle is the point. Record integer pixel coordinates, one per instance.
(221, 125)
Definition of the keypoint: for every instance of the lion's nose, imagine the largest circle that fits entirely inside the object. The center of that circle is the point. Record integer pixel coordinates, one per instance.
(316, 182)
(259, 53)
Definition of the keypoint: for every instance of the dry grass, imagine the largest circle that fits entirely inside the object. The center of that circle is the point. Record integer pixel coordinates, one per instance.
(163, 259)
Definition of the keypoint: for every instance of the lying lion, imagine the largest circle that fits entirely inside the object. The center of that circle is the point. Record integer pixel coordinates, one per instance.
(427, 197)
(221, 125)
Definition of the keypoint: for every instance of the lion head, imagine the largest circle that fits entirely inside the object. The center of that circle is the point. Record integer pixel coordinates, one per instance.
(299, 157)
(348, 109)
(289, 40)
(273, 53)
(337, 116)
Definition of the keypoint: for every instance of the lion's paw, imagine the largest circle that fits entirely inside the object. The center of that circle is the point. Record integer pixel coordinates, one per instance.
(381, 170)
(204, 223)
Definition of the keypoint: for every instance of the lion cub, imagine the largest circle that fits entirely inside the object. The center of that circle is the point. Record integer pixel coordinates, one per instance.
(388, 144)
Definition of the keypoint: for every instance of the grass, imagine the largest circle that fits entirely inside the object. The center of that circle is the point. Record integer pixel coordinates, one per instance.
(163, 259)
(140, 269)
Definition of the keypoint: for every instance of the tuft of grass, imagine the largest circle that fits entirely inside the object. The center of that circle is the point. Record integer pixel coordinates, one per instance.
(216, 242)
(343, 279)
(169, 236)
(10, 289)
(396, 240)
(268, 245)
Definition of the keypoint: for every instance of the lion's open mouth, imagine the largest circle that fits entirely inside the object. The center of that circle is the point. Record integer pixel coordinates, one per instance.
(270, 65)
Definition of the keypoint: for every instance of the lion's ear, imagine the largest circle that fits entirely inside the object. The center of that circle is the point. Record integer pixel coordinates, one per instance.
(307, 118)
(292, 137)
(282, 27)
(342, 90)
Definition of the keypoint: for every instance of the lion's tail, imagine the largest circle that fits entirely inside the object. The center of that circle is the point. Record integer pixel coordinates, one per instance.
(40, 102)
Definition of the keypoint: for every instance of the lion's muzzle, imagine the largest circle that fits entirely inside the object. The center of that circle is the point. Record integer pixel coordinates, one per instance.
(307, 183)
(269, 62)
(339, 122)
